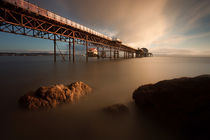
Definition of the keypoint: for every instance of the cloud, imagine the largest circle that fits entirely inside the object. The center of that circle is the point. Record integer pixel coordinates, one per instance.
(135, 22)
(171, 51)
(171, 40)
(187, 20)
(143, 23)
(185, 15)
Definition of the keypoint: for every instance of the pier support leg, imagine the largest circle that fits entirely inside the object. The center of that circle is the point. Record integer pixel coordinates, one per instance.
(69, 50)
(73, 49)
(98, 53)
(103, 53)
(54, 48)
(110, 53)
(86, 51)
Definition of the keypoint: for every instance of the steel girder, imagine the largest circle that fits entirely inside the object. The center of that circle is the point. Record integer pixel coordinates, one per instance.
(21, 23)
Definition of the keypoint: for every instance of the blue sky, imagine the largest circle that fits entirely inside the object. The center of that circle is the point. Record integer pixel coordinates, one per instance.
(163, 26)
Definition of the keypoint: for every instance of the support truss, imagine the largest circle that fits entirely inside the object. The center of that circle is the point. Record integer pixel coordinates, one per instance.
(17, 21)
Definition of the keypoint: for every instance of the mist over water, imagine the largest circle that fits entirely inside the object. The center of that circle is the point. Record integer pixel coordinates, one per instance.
(113, 81)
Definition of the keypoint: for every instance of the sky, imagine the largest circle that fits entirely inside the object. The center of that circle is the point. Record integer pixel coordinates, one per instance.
(169, 27)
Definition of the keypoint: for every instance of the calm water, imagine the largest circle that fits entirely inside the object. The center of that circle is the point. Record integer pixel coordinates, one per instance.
(112, 82)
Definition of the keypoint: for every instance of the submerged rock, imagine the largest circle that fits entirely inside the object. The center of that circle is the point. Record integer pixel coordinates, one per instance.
(50, 96)
(116, 109)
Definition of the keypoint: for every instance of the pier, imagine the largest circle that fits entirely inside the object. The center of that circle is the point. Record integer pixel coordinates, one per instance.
(24, 18)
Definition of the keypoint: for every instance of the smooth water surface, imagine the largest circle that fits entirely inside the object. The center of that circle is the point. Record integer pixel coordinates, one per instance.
(113, 81)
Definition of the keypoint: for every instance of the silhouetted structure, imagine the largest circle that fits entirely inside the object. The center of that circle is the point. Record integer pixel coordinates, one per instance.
(92, 52)
(143, 52)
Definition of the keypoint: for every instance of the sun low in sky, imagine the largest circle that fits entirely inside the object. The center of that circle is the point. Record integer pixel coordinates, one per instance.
(164, 26)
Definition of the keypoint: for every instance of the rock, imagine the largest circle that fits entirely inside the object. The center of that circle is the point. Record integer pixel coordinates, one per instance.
(181, 95)
(182, 102)
(60, 93)
(34, 103)
(116, 109)
(47, 97)
(78, 89)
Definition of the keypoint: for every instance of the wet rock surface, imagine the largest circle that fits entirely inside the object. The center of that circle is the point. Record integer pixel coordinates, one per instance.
(48, 97)
(116, 109)
(183, 101)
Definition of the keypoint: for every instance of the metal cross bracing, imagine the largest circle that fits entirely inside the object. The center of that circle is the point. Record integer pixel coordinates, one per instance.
(19, 21)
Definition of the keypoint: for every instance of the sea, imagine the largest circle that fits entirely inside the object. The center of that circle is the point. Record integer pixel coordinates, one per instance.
(112, 81)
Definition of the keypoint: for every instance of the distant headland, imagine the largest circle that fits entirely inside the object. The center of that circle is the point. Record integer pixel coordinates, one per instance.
(24, 54)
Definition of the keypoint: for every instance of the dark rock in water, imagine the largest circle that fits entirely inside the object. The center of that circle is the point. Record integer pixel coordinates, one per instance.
(50, 96)
(183, 94)
(186, 100)
(116, 109)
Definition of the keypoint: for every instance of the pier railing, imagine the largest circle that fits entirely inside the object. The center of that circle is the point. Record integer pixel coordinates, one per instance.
(35, 9)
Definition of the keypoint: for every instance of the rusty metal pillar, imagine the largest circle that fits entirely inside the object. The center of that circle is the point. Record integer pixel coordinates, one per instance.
(115, 53)
(86, 48)
(69, 49)
(98, 52)
(104, 53)
(73, 49)
(110, 53)
(54, 48)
